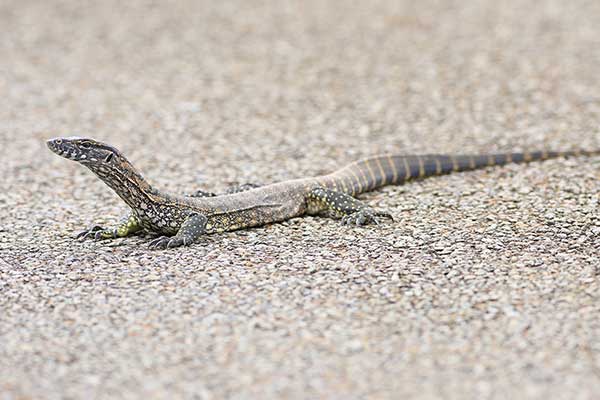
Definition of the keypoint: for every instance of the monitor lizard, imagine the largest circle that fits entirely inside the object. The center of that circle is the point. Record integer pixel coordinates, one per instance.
(180, 220)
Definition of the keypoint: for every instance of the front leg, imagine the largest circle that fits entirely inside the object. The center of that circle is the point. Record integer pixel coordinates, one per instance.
(351, 210)
(191, 229)
(128, 225)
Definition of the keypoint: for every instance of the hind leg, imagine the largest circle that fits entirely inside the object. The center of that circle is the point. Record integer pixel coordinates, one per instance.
(350, 210)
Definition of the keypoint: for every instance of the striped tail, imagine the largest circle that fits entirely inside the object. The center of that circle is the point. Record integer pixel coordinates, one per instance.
(371, 173)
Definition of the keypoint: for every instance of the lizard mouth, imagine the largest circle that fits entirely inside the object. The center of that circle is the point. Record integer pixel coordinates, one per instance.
(65, 149)
(57, 146)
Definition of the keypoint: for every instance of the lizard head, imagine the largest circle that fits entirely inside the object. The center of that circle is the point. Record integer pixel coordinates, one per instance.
(105, 161)
(87, 151)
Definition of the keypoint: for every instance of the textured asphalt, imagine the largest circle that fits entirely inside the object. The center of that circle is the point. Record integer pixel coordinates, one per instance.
(486, 287)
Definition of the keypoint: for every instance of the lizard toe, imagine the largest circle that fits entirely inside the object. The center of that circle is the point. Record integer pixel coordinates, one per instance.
(174, 242)
(159, 243)
(89, 232)
(362, 218)
(365, 216)
(105, 234)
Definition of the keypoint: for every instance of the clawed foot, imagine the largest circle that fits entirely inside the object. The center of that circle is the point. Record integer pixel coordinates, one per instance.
(365, 216)
(98, 233)
(166, 242)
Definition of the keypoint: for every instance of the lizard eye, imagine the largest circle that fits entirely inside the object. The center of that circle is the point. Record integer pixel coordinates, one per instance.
(108, 157)
(85, 145)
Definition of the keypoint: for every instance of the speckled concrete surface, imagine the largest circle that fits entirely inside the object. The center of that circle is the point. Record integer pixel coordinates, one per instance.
(486, 287)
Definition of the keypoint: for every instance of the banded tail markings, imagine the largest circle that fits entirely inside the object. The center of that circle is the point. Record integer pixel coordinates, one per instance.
(482, 161)
(447, 164)
(357, 188)
(382, 172)
(431, 165)
(438, 165)
(517, 157)
(472, 164)
(387, 169)
(373, 182)
(455, 165)
(414, 166)
(361, 173)
(421, 166)
(535, 155)
(394, 169)
(349, 177)
(501, 159)
(340, 182)
(464, 163)
(407, 171)
(349, 181)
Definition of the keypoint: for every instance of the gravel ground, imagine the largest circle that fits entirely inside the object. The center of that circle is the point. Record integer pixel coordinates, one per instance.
(487, 286)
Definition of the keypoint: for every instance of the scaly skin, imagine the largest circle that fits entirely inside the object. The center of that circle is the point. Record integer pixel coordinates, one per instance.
(181, 220)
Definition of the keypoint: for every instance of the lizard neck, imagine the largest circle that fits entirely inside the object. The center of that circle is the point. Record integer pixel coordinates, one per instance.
(122, 177)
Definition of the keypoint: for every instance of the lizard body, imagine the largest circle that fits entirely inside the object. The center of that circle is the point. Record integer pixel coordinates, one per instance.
(183, 219)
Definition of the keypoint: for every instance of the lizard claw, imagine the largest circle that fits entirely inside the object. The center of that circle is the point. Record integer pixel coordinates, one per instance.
(105, 234)
(166, 242)
(92, 232)
(97, 232)
(161, 242)
(365, 216)
(175, 242)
